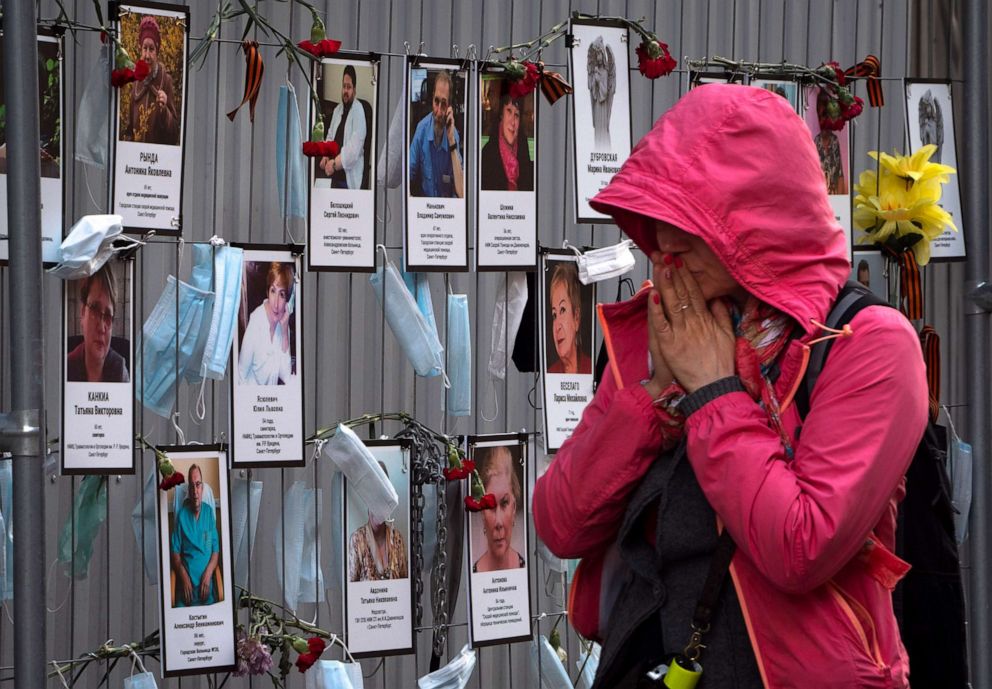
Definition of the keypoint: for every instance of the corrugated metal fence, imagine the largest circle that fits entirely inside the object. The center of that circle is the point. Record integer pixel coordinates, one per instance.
(354, 364)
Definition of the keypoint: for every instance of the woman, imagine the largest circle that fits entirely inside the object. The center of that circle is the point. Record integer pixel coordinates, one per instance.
(376, 550)
(693, 425)
(565, 295)
(499, 478)
(264, 357)
(153, 117)
(92, 360)
(506, 163)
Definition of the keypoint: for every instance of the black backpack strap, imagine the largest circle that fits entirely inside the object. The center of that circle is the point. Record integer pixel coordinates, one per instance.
(852, 298)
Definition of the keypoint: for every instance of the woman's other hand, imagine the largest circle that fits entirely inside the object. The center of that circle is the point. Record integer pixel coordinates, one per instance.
(695, 339)
(662, 375)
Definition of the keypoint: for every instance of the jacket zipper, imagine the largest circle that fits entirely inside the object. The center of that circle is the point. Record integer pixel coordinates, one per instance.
(851, 608)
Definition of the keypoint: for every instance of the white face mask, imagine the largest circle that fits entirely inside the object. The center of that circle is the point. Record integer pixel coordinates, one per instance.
(511, 299)
(588, 667)
(243, 534)
(93, 117)
(609, 262)
(454, 675)
(363, 472)
(90, 244)
(304, 579)
(143, 520)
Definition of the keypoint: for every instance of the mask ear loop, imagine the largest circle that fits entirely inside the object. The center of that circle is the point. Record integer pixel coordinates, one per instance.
(135, 659)
(179, 431)
(335, 640)
(492, 384)
(48, 581)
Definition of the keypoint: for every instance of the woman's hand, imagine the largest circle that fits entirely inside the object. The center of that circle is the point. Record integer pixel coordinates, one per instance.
(695, 339)
(662, 376)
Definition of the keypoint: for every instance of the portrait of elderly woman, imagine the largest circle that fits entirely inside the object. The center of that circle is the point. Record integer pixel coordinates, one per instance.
(501, 472)
(831, 147)
(152, 112)
(267, 348)
(94, 354)
(568, 323)
(506, 159)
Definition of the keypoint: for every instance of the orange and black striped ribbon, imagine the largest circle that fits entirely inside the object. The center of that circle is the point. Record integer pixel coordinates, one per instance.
(554, 86)
(870, 69)
(254, 69)
(930, 341)
(910, 286)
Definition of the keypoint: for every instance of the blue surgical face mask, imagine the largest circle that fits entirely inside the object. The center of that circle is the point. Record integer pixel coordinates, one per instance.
(420, 287)
(156, 370)
(83, 525)
(389, 168)
(201, 279)
(588, 664)
(90, 243)
(458, 397)
(546, 670)
(93, 116)
(333, 674)
(7, 530)
(245, 501)
(290, 163)
(141, 680)
(418, 341)
(304, 580)
(228, 262)
(143, 520)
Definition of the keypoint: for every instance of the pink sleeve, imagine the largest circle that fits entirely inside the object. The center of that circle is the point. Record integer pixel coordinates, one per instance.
(579, 502)
(801, 521)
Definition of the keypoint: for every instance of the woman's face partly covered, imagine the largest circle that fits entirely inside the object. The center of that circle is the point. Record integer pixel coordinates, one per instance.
(713, 279)
(97, 322)
(564, 321)
(498, 523)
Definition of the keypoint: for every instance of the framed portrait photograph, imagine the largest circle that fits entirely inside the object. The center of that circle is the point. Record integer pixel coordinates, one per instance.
(342, 187)
(97, 383)
(51, 90)
(436, 237)
(868, 268)
(149, 118)
(378, 599)
(789, 89)
(499, 590)
(599, 63)
(197, 593)
(834, 150)
(698, 78)
(507, 175)
(930, 120)
(267, 360)
(567, 318)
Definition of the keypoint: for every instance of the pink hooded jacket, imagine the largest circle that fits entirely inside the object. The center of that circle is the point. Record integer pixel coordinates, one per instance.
(814, 569)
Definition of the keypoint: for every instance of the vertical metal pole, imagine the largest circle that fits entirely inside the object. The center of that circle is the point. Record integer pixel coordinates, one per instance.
(26, 345)
(975, 180)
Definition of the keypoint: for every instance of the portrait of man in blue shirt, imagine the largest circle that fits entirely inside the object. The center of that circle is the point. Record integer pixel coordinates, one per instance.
(194, 549)
(435, 160)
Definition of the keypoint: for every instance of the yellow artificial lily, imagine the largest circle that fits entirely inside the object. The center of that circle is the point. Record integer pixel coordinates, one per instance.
(903, 200)
(916, 167)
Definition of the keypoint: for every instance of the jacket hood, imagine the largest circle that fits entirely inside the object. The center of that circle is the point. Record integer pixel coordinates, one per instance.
(737, 167)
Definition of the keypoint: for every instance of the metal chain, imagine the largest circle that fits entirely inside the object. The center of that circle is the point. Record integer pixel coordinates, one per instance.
(429, 457)
(438, 581)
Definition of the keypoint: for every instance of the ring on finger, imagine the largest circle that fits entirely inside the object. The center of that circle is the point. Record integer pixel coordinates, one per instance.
(683, 307)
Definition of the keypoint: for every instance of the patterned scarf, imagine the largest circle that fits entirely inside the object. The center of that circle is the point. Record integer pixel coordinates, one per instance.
(510, 163)
(762, 333)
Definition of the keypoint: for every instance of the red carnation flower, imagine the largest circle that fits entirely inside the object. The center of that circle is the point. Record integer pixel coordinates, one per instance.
(316, 645)
(851, 110)
(313, 149)
(460, 472)
(171, 481)
(141, 70)
(305, 661)
(321, 48)
(523, 85)
(486, 502)
(653, 59)
(122, 76)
